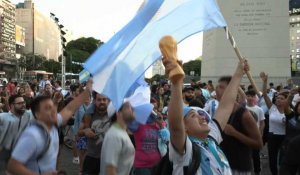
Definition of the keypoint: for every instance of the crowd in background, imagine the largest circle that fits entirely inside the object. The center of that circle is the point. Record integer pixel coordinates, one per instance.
(270, 117)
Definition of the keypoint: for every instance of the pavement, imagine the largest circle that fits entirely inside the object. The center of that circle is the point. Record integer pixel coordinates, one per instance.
(66, 164)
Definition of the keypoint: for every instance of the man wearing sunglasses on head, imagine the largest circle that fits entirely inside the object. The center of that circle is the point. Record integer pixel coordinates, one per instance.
(188, 127)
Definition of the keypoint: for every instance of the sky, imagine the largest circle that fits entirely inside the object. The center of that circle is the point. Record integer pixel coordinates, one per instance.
(101, 19)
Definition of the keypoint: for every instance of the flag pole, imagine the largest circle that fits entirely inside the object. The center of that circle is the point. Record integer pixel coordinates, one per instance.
(240, 57)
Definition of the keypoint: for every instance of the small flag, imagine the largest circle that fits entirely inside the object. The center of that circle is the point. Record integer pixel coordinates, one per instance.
(84, 76)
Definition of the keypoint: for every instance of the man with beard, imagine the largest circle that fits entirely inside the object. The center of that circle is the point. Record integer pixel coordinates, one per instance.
(37, 148)
(11, 125)
(94, 126)
(189, 95)
(117, 154)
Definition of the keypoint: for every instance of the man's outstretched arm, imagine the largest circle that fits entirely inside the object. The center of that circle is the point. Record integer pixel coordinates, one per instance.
(175, 111)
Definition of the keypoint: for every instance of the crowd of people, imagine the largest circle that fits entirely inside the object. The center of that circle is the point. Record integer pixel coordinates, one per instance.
(195, 129)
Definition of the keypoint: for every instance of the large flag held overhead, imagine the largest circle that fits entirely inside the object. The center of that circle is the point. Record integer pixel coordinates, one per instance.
(121, 61)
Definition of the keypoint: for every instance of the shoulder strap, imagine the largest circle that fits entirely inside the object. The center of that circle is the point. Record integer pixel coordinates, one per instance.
(196, 159)
(45, 134)
(164, 167)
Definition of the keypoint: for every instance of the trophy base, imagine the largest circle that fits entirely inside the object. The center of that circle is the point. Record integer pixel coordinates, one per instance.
(176, 74)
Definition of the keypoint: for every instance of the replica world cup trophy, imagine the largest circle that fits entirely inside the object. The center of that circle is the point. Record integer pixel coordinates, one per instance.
(168, 48)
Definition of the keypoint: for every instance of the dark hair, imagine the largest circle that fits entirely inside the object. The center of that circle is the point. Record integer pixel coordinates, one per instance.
(271, 84)
(278, 88)
(20, 89)
(94, 94)
(35, 104)
(153, 89)
(58, 82)
(197, 87)
(196, 103)
(113, 119)
(164, 83)
(251, 93)
(285, 94)
(12, 98)
(250, 87)
(225, 79)
(209, 81)
(73, 87)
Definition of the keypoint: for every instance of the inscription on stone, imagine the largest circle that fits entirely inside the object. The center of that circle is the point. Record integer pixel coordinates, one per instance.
(252, 17)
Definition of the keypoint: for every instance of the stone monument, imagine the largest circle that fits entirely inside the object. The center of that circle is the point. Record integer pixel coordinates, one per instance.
(261, 31)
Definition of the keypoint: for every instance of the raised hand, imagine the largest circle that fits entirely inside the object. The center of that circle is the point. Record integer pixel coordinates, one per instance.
(263, 76)
(89, 85)
(294, 91)
(243, 67)
(171, 65)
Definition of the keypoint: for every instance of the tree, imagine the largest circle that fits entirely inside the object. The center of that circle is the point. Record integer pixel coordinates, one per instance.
(158, 78)
(79, 51)
(192, 66)
(32, 62)
(39, 62)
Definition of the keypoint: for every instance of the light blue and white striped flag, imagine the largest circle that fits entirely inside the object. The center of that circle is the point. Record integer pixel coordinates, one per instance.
(117, 64)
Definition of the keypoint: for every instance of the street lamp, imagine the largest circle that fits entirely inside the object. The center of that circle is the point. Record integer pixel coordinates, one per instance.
(63, 44)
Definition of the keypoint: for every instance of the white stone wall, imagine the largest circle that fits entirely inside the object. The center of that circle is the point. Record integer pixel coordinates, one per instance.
(261, 30)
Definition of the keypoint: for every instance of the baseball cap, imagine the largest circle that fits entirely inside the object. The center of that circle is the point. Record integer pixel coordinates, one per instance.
(188, 88)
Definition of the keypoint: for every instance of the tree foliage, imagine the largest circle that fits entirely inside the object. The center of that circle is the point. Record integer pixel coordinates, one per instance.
(158, 78)
(194, 65)
(39, 62)
(79, 51)
(76, 51)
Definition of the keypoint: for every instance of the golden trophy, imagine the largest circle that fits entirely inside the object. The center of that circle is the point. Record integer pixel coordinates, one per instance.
(168, 48)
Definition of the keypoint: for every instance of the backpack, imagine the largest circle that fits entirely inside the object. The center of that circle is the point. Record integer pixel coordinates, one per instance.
(6, 154)
(165, 166)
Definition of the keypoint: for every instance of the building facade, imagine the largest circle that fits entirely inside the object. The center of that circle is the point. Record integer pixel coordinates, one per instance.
(158, 68)
(8, 28)
(7, 37)
(295, 42)
(42, 33)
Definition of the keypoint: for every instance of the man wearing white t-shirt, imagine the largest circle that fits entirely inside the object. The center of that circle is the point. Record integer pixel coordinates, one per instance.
(29, 155)
(258, 114)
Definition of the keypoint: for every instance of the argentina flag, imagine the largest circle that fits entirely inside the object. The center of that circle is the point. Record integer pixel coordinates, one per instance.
(120, 62)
